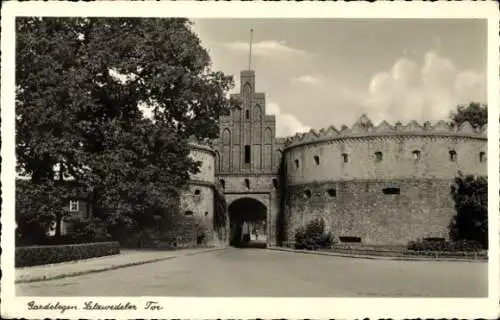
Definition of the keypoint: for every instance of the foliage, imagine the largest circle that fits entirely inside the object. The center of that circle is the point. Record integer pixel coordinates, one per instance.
(93, 230)
(475, 113)
(38, 206)
(471, 204)
(81, 85)
(313, 237)
(445, 246)
(33, 256)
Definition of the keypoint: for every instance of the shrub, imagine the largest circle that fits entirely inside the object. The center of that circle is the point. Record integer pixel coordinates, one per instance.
(445, 246)
(38, 255)
(313, 236)
(93, 230)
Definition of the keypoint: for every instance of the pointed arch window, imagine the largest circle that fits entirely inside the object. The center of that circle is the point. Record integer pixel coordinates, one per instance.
(226, 136)
(257, 112)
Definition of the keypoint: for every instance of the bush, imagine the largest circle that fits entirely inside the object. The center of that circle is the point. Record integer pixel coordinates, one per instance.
(93, 230)
(39, 255)
(313, 236)
(445, 246)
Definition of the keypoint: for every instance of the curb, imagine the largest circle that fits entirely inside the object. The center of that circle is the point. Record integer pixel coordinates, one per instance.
(112, 267)
(373, 257)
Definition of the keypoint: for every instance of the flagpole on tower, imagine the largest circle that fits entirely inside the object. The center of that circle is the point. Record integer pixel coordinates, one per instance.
(250, 51)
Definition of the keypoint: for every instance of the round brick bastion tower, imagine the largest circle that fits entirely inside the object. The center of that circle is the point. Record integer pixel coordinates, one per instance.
(194, 227)
(379, 184)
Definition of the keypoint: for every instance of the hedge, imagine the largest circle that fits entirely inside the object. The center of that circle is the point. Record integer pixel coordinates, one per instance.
(445, 246)
(39, 255)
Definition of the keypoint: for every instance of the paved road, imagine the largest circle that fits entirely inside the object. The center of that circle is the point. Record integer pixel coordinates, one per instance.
(266, 273)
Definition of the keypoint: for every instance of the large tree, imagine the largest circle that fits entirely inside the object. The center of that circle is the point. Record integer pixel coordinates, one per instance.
(80, 85)
(475, 113)
(470, 193)
(471, 204)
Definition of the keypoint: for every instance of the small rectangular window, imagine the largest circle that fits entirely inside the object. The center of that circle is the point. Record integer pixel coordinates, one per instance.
(316, 160)
(247, 154)
(275, 183)
(345, 157)
(453, 156)
(482, 157)
(391, 190)
(416, 155)
(73, 205)
(332, 192)
(434, 239)
(350, 239)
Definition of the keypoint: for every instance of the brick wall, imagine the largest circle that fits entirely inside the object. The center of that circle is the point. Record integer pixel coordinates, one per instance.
(361, 209)
(207, 168)
(398, 158)
(196, 205)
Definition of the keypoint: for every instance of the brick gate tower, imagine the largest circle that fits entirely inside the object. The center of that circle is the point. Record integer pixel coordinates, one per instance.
(247, 160)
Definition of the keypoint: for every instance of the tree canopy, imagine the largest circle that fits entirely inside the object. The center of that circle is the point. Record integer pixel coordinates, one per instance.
(470, 195)
(475, 113)
(80, 87)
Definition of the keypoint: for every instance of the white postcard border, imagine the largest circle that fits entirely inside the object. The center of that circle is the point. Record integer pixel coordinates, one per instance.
(13, 306)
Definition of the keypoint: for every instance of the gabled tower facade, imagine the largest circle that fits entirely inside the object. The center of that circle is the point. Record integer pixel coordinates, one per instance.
(248, 157)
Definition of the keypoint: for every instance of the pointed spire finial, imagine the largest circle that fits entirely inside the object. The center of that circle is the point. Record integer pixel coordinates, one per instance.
(250, 52)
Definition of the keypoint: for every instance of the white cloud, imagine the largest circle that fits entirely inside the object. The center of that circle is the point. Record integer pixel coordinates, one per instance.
(286, 124)
(427, 92)
(271, 48)
(307, 79)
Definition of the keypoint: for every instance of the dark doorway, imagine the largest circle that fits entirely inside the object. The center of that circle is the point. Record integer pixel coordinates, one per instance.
(248, 225)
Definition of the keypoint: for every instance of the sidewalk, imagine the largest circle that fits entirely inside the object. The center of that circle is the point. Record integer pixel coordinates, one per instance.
(126, 258)
(375, 257)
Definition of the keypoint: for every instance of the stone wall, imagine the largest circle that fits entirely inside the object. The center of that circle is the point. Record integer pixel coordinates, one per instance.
(197, 213)
(256, 183)
(325, 161)
(341, 179)
(193, 225)
(207, 158)
(423, 208)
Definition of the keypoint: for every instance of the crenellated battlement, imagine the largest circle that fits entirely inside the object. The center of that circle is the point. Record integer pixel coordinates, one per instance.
(196, 144)
(364, 128)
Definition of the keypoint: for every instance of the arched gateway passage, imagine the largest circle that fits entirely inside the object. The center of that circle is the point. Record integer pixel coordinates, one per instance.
(247, 219)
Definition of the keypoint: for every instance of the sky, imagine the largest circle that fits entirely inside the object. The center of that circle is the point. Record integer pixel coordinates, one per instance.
(322, 72)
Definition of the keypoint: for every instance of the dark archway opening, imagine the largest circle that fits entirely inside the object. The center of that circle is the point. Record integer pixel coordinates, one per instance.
(247, 218)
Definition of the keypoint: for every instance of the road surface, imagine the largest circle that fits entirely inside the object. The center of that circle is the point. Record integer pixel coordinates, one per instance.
(266, 273)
